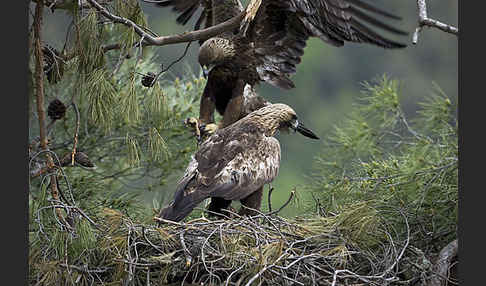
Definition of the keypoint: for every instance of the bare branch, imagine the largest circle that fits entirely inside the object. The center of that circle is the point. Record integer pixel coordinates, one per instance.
(150, 40)
(270, 190)
(425, 21)
(446, 256)
(39, 84)
(67, 4)
(76, 133)
(292, 193)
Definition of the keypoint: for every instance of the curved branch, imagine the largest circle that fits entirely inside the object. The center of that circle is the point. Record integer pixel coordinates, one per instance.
(446, 256)
(150, 40)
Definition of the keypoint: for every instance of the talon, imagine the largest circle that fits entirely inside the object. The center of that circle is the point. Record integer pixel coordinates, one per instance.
(195, 124)
(208, 129)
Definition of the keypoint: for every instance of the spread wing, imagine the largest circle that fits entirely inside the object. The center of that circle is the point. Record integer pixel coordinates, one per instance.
(211, 12)
(186, 9)
(280, 29)
(231, 164)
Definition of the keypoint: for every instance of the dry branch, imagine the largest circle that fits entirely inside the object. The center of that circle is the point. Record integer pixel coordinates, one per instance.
(426, 21)
(443, 264)
(67, 4)
(39, 84)
(149, 40)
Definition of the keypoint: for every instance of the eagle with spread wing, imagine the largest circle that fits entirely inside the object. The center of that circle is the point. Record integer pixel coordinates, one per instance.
(271, 41)
(234, 163)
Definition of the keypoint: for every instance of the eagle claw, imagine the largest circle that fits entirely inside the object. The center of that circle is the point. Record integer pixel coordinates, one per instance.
(208, 129)
(201, 130)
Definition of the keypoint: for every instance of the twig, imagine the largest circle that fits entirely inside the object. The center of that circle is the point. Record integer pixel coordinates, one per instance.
(162, 70)
(425, 21)
(172, 39)
(85, 269)
(265, 269)
(367, 278)
(292, 193)
(73, 153)
(270, 190)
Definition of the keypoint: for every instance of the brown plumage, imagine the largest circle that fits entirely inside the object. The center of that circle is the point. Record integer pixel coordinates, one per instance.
(235, 162)
(271, 42)
(269, 45)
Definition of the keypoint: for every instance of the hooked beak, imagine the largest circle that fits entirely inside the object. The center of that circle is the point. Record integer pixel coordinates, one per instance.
(297, 126)
(205, 71)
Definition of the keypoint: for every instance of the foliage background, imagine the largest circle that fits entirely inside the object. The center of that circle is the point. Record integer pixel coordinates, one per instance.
(328, 81)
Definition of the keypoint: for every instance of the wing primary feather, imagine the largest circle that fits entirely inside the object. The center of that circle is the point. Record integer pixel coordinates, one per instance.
(373, 9)
(162, 3)
(365, 17)
(165, 3)
(373, 37)
(199, 21)
(186, 15)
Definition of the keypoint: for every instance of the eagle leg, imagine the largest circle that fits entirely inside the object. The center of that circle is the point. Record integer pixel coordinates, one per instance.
(234, 108)
(253, 201)
(206, 107)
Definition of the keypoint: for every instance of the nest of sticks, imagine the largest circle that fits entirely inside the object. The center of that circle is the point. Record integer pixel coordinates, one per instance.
(357, 246)
(349, 248)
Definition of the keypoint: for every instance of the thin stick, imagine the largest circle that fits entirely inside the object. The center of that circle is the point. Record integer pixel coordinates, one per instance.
(270, 190)
(425, 21)
(172, 39)
(73, 153)
(284, 205)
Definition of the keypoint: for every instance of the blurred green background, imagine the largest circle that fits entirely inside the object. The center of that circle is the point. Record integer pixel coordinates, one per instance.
(328, 79)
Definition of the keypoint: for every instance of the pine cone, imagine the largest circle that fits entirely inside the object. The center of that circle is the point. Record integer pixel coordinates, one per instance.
(79, 158)
(148, 80)
(83, 160)
(53, 66)
(56, 109)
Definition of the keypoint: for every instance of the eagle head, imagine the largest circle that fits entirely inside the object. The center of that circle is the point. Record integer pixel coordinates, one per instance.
(215, 51)
(279, 116)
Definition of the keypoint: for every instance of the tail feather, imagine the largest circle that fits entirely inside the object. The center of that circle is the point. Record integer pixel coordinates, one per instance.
(182, 206)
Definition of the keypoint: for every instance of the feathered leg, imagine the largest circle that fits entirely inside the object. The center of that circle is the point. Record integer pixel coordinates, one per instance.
(207, 106)
(235, 105)
(254, 201)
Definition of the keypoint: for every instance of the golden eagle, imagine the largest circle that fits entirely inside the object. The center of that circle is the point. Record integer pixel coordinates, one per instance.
(235, 163)
(271, 42)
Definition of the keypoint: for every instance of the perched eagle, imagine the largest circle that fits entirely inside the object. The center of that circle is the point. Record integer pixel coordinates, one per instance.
(271, 42)
(235, 163)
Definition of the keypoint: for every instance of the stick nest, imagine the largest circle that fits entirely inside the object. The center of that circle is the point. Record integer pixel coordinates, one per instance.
(353, 247)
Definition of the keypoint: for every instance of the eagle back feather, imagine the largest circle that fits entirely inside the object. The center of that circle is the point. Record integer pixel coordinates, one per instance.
(231, 164)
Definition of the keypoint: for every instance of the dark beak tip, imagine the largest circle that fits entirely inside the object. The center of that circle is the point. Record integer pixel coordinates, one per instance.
(307, 132)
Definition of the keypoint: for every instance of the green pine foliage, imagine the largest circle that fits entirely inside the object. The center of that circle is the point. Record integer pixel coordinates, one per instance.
(134, 135)
(376, 157)
(379, 178)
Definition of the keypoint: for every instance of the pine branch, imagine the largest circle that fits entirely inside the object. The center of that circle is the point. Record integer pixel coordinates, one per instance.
(149, 40)
(426, 21)
(39, 82)
(67, 4)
